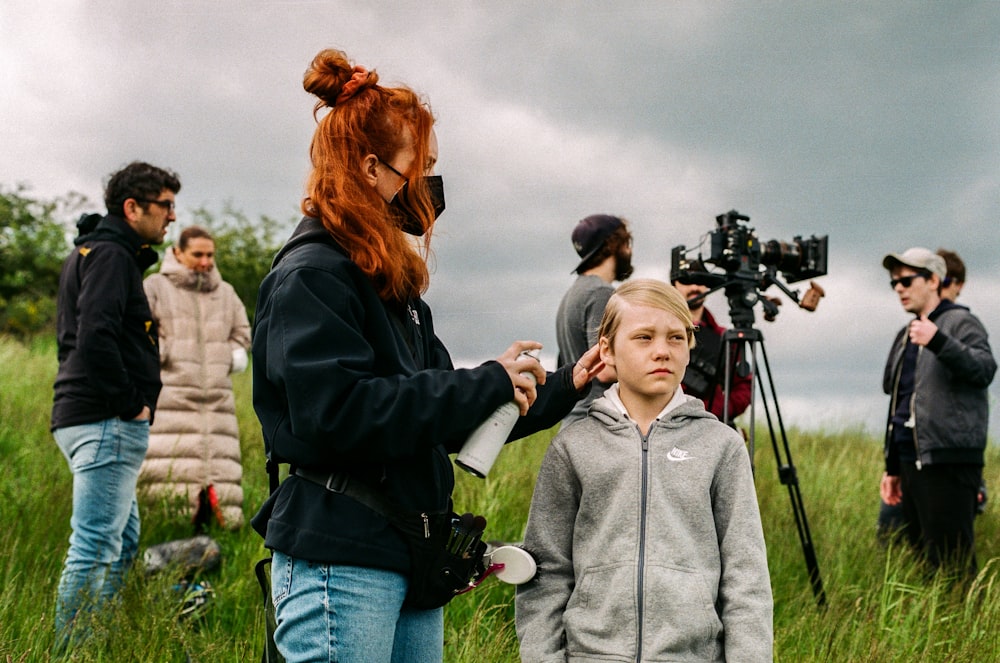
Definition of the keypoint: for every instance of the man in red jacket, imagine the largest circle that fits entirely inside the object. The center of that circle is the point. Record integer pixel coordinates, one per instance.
(705, 374)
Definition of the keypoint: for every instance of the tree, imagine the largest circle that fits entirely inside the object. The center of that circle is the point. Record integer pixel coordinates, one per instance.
(33, 245)
(244, 249)
(35, 238)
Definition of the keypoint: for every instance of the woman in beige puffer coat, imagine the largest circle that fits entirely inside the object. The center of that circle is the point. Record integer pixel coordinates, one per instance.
(194, 443)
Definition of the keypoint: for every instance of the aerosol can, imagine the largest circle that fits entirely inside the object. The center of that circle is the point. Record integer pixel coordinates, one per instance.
(480, 451)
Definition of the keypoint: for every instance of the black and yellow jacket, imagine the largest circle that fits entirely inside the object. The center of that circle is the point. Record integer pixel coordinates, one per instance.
(109, 363)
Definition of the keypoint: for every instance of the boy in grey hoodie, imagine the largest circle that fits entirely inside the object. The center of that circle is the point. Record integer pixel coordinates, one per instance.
(644, 518)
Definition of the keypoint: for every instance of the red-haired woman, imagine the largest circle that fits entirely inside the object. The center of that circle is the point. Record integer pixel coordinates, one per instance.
(352, 387)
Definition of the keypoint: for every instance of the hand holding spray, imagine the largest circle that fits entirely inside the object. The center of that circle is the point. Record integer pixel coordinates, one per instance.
(480, 451)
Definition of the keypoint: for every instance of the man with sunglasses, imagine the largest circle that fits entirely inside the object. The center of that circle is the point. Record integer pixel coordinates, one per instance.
(890, 518)
(937, 375)
(106, 387)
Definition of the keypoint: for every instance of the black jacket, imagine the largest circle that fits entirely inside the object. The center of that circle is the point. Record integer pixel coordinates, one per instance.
(950, 403)
(109, 362)
(343, 381)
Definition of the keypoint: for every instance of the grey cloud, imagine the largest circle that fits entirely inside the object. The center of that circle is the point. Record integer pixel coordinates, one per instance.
(875, 124)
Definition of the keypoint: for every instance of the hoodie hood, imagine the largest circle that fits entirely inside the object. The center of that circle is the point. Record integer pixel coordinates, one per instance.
(609, 414)
(113, 228)
(945, 306)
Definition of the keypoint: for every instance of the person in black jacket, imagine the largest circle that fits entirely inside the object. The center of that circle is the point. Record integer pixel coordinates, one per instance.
(107, 385)
(937, 374)
(352, 386)
(890, 517)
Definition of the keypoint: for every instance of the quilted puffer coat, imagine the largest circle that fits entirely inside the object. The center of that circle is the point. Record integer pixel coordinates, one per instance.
(194, 443)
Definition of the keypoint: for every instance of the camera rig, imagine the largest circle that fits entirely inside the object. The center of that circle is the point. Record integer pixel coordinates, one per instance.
(751, 267)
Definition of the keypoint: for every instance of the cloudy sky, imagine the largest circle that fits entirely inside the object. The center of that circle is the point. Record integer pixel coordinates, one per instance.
(874, 123)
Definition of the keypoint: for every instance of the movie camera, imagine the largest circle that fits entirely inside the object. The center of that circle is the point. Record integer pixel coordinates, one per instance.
(751, 266)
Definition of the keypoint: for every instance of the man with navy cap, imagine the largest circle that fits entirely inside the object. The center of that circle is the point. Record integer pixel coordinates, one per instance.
(937, 375)
(604, 245)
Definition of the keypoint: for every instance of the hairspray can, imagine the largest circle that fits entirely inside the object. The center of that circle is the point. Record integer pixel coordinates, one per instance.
(482, 448)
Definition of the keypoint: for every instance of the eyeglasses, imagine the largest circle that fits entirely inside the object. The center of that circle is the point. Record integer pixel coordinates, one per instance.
(906, 281)
(165, 204)
(386, 164)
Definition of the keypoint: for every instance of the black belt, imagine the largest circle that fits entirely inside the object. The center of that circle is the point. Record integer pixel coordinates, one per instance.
(335, 482)
(341, 483)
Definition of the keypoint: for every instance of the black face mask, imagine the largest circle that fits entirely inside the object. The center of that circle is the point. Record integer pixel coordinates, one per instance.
(409, 221)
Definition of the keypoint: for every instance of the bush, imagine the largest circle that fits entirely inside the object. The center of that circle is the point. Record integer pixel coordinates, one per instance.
(27, 313)
(33, 243)
(35, 237)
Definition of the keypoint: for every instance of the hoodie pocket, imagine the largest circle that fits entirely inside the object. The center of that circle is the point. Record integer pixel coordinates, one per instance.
(680, 615)
(601, 615)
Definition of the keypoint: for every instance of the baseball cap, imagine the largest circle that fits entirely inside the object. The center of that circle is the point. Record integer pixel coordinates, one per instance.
(591, 233)
(917, 258)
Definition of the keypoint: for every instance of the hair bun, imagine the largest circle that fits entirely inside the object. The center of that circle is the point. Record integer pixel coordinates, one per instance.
(333, 79)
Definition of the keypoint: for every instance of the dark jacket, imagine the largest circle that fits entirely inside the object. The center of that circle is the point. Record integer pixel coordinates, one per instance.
(345, 382)
(950, 404)
(703, 378)
(109, 363)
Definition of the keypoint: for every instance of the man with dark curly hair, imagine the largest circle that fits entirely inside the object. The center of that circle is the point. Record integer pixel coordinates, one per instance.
(107, 385)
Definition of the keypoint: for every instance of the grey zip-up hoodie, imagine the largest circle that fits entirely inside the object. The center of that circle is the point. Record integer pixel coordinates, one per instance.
(649, 549)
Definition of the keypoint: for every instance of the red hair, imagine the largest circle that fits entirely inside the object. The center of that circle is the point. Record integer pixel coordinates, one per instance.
(366, 118)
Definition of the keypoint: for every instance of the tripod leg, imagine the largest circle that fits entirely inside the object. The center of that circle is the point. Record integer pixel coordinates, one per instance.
(789, 477)
(727, 384)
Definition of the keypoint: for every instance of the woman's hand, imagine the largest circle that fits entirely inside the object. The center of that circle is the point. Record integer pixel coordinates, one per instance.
(516, 363)
(589, 367)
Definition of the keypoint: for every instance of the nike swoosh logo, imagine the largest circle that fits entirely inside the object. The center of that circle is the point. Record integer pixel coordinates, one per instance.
(678, 455)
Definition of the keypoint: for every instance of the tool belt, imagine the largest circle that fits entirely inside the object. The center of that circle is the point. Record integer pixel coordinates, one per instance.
(446, 551)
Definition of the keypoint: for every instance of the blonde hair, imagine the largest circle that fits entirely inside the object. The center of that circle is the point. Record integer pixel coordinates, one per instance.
(645, 292)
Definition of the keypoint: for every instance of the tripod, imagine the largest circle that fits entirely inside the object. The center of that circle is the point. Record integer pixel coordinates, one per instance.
(736, 249)
(747, 338)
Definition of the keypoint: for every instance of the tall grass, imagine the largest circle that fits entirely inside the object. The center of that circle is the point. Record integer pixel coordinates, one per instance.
(879, 607)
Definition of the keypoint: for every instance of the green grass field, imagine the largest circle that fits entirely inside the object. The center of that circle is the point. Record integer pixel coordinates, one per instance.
(879, 607)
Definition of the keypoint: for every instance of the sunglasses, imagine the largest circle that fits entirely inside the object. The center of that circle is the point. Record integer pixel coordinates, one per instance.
(165, 204)
(907, 281)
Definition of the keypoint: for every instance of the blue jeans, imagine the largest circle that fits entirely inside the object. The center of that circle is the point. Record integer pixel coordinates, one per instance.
(349, 614)
(104, 457)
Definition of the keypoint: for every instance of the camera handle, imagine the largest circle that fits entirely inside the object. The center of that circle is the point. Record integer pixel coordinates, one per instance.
(745, 343)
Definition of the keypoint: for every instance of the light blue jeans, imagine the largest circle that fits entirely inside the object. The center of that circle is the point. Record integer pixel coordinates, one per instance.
(349, 614)
(104, 457)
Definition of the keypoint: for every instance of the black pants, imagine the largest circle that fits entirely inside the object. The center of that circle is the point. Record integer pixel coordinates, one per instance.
(939, 507)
